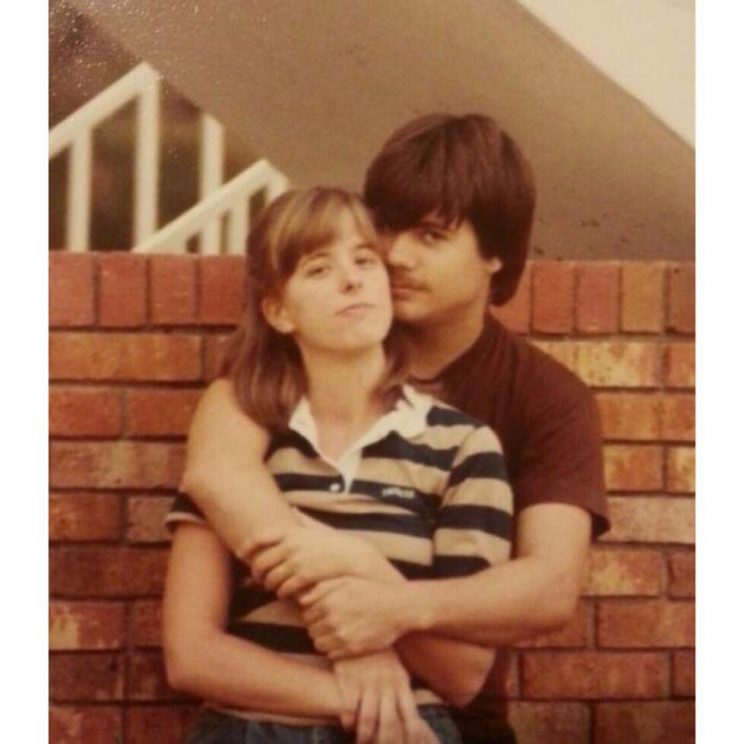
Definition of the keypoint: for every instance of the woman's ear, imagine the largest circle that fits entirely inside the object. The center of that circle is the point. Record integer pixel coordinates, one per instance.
(276, 315)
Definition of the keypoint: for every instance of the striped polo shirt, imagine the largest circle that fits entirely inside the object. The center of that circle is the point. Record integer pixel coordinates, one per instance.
(426, 485)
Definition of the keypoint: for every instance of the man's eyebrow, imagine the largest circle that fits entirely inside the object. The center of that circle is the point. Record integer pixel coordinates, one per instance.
(437, 224)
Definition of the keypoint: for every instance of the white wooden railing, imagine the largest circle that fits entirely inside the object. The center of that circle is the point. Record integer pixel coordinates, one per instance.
(231, 200)
(142, 84)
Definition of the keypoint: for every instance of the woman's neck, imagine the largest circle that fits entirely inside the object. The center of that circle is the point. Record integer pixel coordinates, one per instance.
(342, 392)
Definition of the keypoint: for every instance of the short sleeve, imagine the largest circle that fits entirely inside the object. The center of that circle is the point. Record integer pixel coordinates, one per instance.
(474, 520)
(184, 509)
(560, 459)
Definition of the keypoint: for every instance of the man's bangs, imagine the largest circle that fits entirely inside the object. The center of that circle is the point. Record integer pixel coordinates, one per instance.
(402, 203)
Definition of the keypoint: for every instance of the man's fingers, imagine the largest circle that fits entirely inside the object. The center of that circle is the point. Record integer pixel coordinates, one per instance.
(265, 561)
(350, 699)
(319, 592)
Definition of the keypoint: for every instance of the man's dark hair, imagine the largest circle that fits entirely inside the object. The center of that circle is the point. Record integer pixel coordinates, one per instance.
(458, 167)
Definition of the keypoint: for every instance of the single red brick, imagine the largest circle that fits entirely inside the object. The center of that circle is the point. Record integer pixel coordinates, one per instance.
(173, 290)
(157, 413)
(84, 725)
(683, 673)
(597, 297)
(678, 417)
(658, 722)
(515, 315)
(158, 723)
(564, 352)
(680, 470)
(642, 297)
(552, 296)
(624, 572)
(645, 623)
(682, 574)
(656, 519)
(575, 634)
(146, 678)
(86, 677)
(618, 363)
(122, 289)
(106, 572)
(115, 464)
(633, 467)
(84, 516)
(221, 289)
(214, 352)
(145, 627)
(571, 675)
(78, 413)
(145, 515)
(124, 356)
(557, 723)
(85, 625)
(679, 365)
(682, 298)
(630, 416)
(71, 290)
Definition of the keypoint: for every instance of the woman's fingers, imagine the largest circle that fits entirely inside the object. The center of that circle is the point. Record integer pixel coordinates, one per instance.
(389, 726)
(409, 714)
(369, 707)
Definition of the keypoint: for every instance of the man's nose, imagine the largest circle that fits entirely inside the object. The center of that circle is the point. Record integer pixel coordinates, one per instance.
(400, 252)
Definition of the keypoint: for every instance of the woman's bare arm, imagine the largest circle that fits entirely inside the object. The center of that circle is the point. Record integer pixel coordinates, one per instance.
(226, 476)
(203, 660)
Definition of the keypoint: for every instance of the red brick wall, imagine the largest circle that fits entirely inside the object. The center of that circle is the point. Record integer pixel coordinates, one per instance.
(133, 341)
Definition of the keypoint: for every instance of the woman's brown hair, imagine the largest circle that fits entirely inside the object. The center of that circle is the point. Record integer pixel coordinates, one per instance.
(264, 365)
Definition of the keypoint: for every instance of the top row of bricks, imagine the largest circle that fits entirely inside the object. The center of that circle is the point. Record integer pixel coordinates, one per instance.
(126, 290)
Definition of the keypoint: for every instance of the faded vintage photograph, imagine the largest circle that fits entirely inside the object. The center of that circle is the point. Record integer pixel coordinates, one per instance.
(372, 372)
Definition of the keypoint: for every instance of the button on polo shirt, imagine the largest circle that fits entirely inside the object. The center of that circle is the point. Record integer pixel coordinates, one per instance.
(407, 418)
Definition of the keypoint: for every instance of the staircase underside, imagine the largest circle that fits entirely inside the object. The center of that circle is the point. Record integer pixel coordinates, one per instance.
(316, 87)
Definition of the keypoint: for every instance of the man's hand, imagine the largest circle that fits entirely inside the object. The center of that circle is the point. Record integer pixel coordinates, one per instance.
(350, 616)
(378, 702)
(310, 554)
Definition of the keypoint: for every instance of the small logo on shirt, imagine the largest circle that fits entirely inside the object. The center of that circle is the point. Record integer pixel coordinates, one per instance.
(395, 491)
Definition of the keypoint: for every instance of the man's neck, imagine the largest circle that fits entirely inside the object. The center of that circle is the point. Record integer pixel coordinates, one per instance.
(435, 346)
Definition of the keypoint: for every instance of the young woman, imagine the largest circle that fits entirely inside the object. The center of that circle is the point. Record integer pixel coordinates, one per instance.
(405, 481)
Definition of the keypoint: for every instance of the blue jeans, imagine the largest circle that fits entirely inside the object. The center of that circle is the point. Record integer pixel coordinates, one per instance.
(219, 728)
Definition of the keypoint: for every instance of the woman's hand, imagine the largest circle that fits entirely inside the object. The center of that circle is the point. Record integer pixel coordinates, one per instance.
(310, 554)
(378, 702)
(350, 616)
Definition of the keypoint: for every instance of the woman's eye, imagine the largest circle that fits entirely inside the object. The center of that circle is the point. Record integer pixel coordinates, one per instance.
(316, 270)
(370, 259)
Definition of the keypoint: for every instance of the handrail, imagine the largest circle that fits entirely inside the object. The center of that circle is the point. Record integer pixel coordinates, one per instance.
(102, 106)
(76, 133)
(143, 85)
(230, 199)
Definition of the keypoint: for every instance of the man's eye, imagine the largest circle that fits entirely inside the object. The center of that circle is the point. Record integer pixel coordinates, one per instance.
(429, 236)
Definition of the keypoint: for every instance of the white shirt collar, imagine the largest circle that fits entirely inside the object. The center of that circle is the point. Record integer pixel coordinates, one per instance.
(407, 418)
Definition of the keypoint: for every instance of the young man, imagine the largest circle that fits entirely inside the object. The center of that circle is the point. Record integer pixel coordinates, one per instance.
(454, 198)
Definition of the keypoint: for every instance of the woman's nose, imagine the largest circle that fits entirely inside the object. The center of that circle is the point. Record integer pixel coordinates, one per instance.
(351, 278)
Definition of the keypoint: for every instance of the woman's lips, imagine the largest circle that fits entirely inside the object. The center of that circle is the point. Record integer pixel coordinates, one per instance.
(358, 308)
